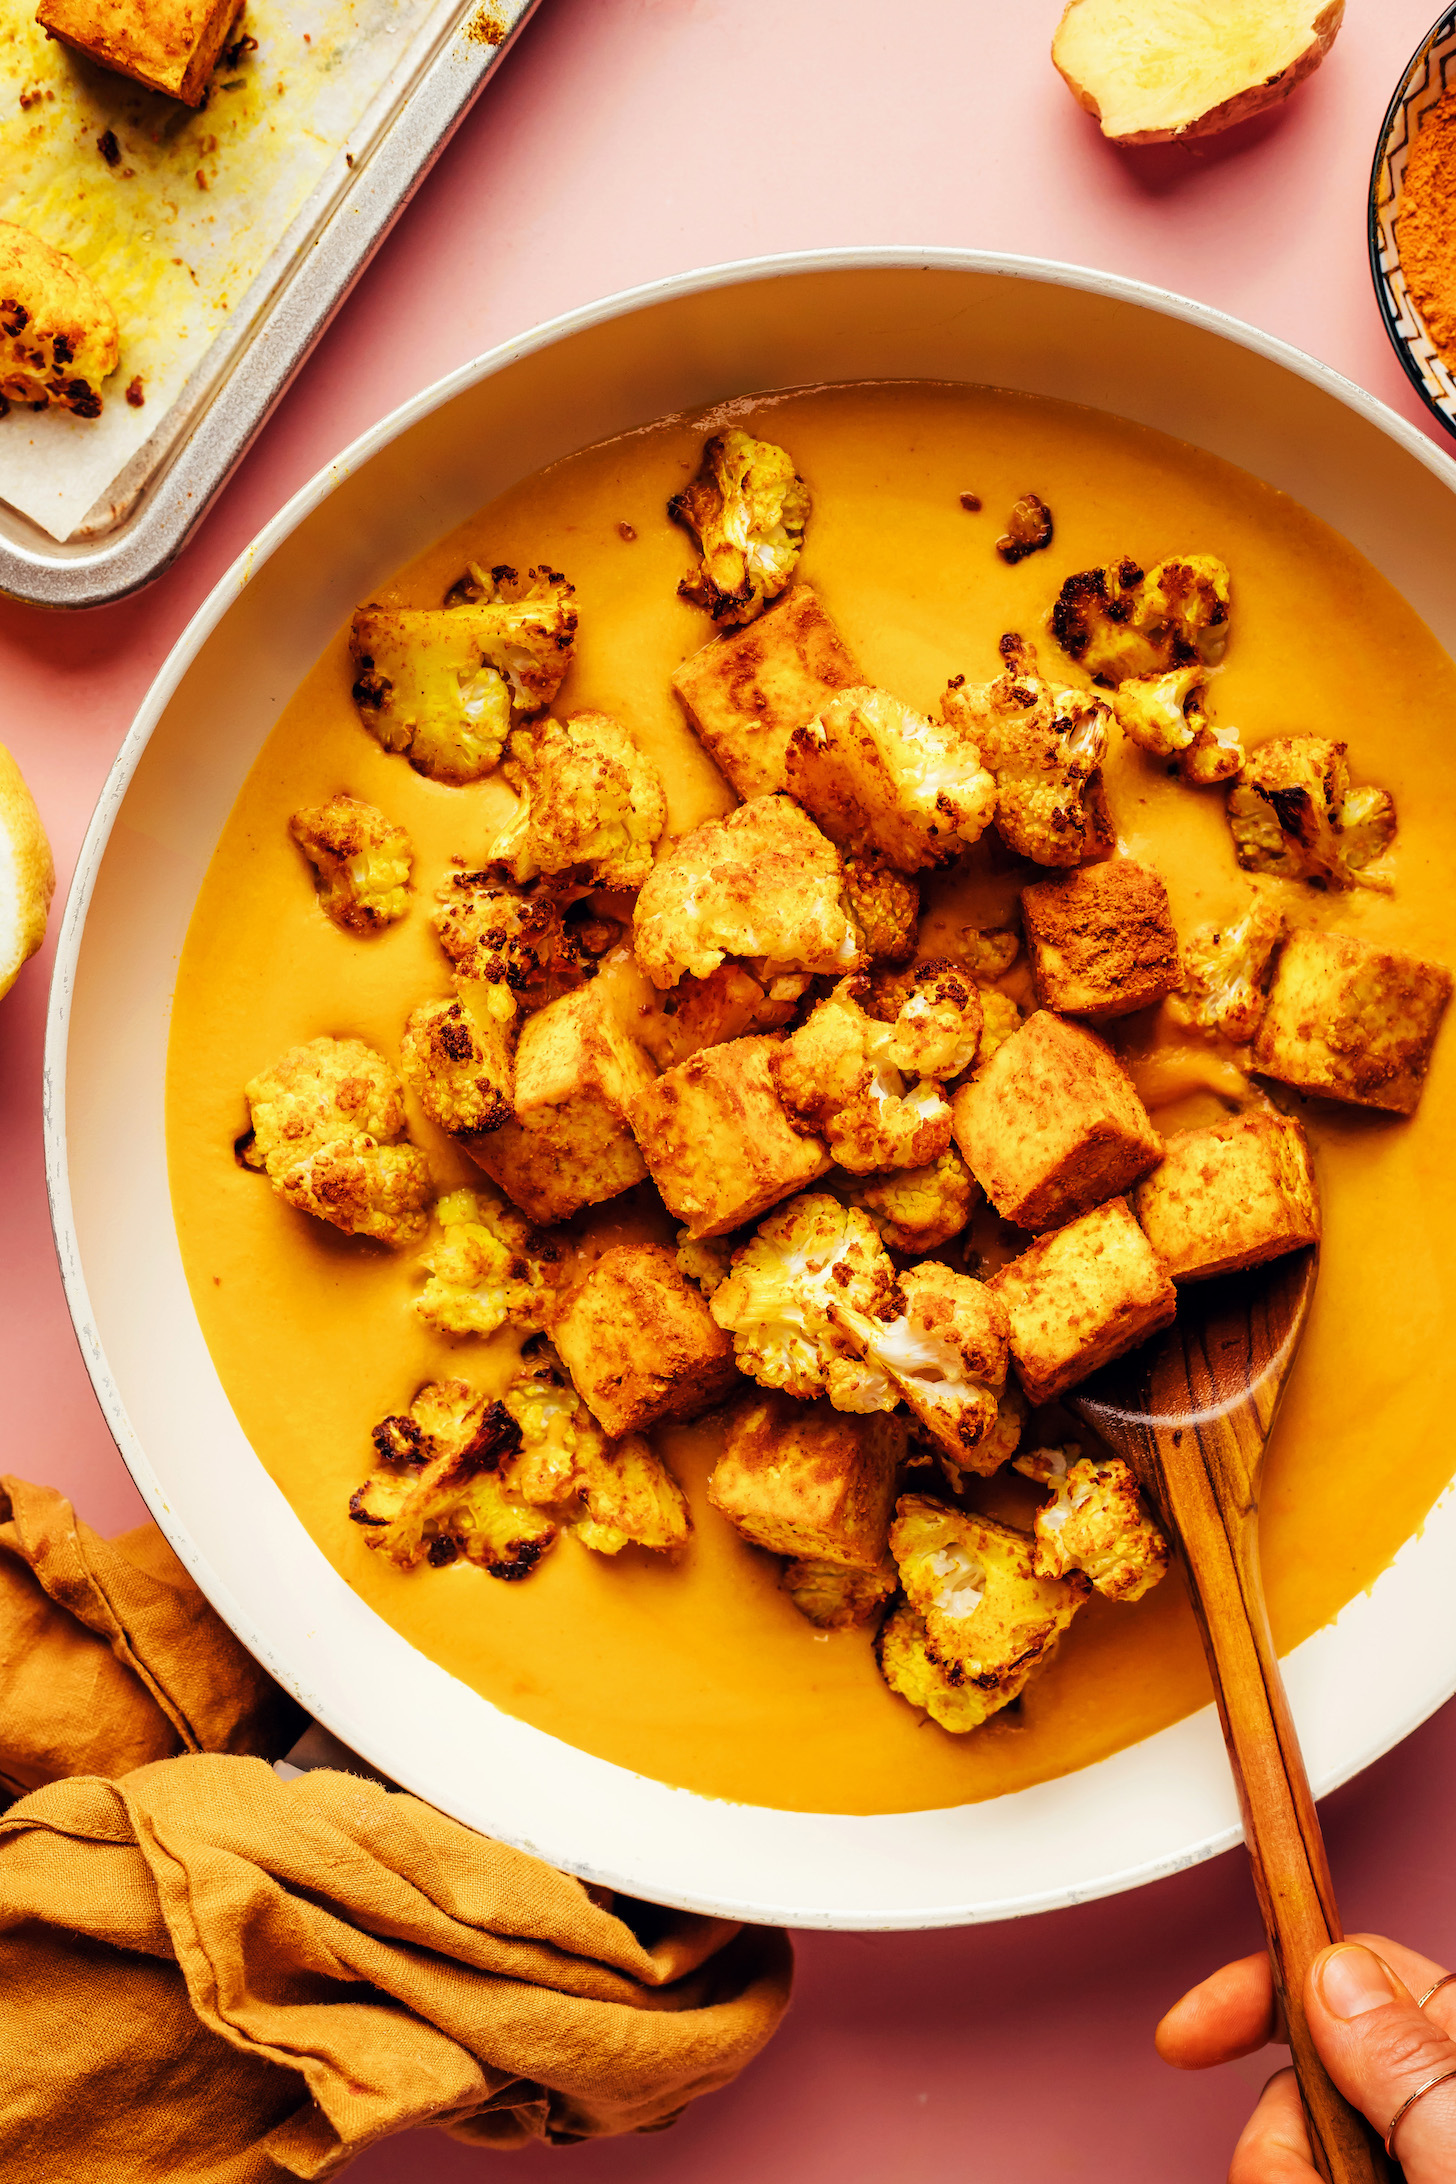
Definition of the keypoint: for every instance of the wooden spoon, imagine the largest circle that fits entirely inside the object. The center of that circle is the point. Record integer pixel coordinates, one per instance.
(1192, 1412)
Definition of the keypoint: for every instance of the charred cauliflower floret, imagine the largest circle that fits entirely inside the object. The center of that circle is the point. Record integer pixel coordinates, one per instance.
(705, 1261)
(1118, 622)
(1045, 745)
(877, 775)
(808, 1255)
(1226, 971)
(591, 804)
(1167, 716)
(488, 1266)
(944, 1353)
(1294, 814)
(838, 1077)
(763, 884)
(611, 1494)
(362, 860)
(444, 684)
(918, 1209)
(444, 1487)
(884, 907)
(461, 1066)
(507, 944)
(58, 333)
(998, 1448)
(324, 1120)
(748, 509)
(837, 1598)
(935, 1025)
(1094, 1522)
(984, 1619)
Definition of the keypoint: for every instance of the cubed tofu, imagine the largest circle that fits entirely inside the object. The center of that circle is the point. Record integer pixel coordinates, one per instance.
(805, 1480)
(1101, 940)
(1230, 1196)
(639, 1341)
(1051, 1124)
(1081, 1297)
(746, 694)
(718, 1141)
(1352, 1021)
(570, 1145)
(875, 774)
(172, 45)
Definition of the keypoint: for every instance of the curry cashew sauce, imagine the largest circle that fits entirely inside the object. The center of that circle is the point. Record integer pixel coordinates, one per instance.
(701, 1672)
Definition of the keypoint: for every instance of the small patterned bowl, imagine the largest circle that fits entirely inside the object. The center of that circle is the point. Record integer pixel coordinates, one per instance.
(1431, 73)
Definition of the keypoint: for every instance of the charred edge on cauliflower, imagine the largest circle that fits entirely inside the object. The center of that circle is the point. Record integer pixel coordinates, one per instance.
(748, 509)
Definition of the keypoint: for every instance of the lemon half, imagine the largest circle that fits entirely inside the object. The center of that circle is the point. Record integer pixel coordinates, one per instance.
(27, 875)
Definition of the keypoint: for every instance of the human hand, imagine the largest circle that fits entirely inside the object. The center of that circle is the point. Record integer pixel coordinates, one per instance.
(1376, 2043)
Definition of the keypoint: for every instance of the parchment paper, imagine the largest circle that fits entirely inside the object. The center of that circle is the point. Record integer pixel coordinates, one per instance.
(179, 225)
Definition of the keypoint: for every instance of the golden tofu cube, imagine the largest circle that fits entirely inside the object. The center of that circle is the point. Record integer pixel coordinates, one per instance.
(1081, 1297)
(718, 1141)
(639, 1341)
(1352, 1021)
(1230, 1196)
(1101, 939)
(806, 1480)
(172, 45)
(746, 694)
(570, 1144)
(1051, 1124)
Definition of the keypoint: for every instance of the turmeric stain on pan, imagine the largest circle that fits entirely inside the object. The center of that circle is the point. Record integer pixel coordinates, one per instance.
(702, 1674)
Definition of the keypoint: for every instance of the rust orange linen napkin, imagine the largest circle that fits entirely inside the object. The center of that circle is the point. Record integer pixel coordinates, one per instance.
(208, 1972)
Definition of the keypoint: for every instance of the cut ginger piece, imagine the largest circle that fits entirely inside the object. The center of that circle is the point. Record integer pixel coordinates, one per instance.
(1151, 70)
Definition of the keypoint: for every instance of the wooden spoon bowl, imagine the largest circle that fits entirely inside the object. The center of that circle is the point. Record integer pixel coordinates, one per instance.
(1192, 1413)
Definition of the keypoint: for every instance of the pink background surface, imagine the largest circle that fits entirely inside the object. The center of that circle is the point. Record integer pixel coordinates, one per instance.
(622, 142)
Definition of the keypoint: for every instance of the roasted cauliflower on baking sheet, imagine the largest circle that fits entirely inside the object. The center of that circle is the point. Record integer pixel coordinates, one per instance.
(325, 1120)
(1121, 621)
(763, 884)
(444, 685)
(1225, 971)
(591, 804)
(361, 859)
(748, 509)
(877, 775)
(1294, 814)
(487, 1267)
(1044, 745)
(1094, 1522)
(58, 333)
(808, 1255)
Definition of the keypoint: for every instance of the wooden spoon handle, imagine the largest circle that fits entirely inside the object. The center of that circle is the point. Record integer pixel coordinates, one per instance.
(1198, 1468)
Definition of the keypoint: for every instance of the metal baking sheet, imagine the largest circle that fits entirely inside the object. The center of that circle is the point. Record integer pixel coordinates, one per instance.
(234, 236)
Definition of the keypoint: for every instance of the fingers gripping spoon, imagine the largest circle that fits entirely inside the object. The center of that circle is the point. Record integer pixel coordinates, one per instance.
(1192, 1413)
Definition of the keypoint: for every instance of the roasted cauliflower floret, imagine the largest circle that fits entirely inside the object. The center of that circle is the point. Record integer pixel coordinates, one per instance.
(1294, 814)
(1167, 716)
(748, 509)
(918, 1209)
(591, 803)
(878, 775)
(999, 1018)
(324, 1118)
(1226, 971)
(362, 861)
(998, 1448)
(763, 884)
(58, 333)
(986, 1619)
(461, 1066)
(776, 1301)
(444, 684)
(1045, 745)
(1094, 1522)
(884, 907)
(936, 1028)
(707, 1260)
(838, 1077)
(1118, 622)
(487, 1266)
(837, 1598)
(444, 1486)
(612, 1494)
(944, 1353)
(502, 937)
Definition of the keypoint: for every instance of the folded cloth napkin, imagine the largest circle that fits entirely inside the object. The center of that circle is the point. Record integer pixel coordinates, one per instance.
(209, 1972)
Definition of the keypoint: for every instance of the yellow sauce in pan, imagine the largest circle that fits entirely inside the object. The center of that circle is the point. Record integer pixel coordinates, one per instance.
(702, 1674)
